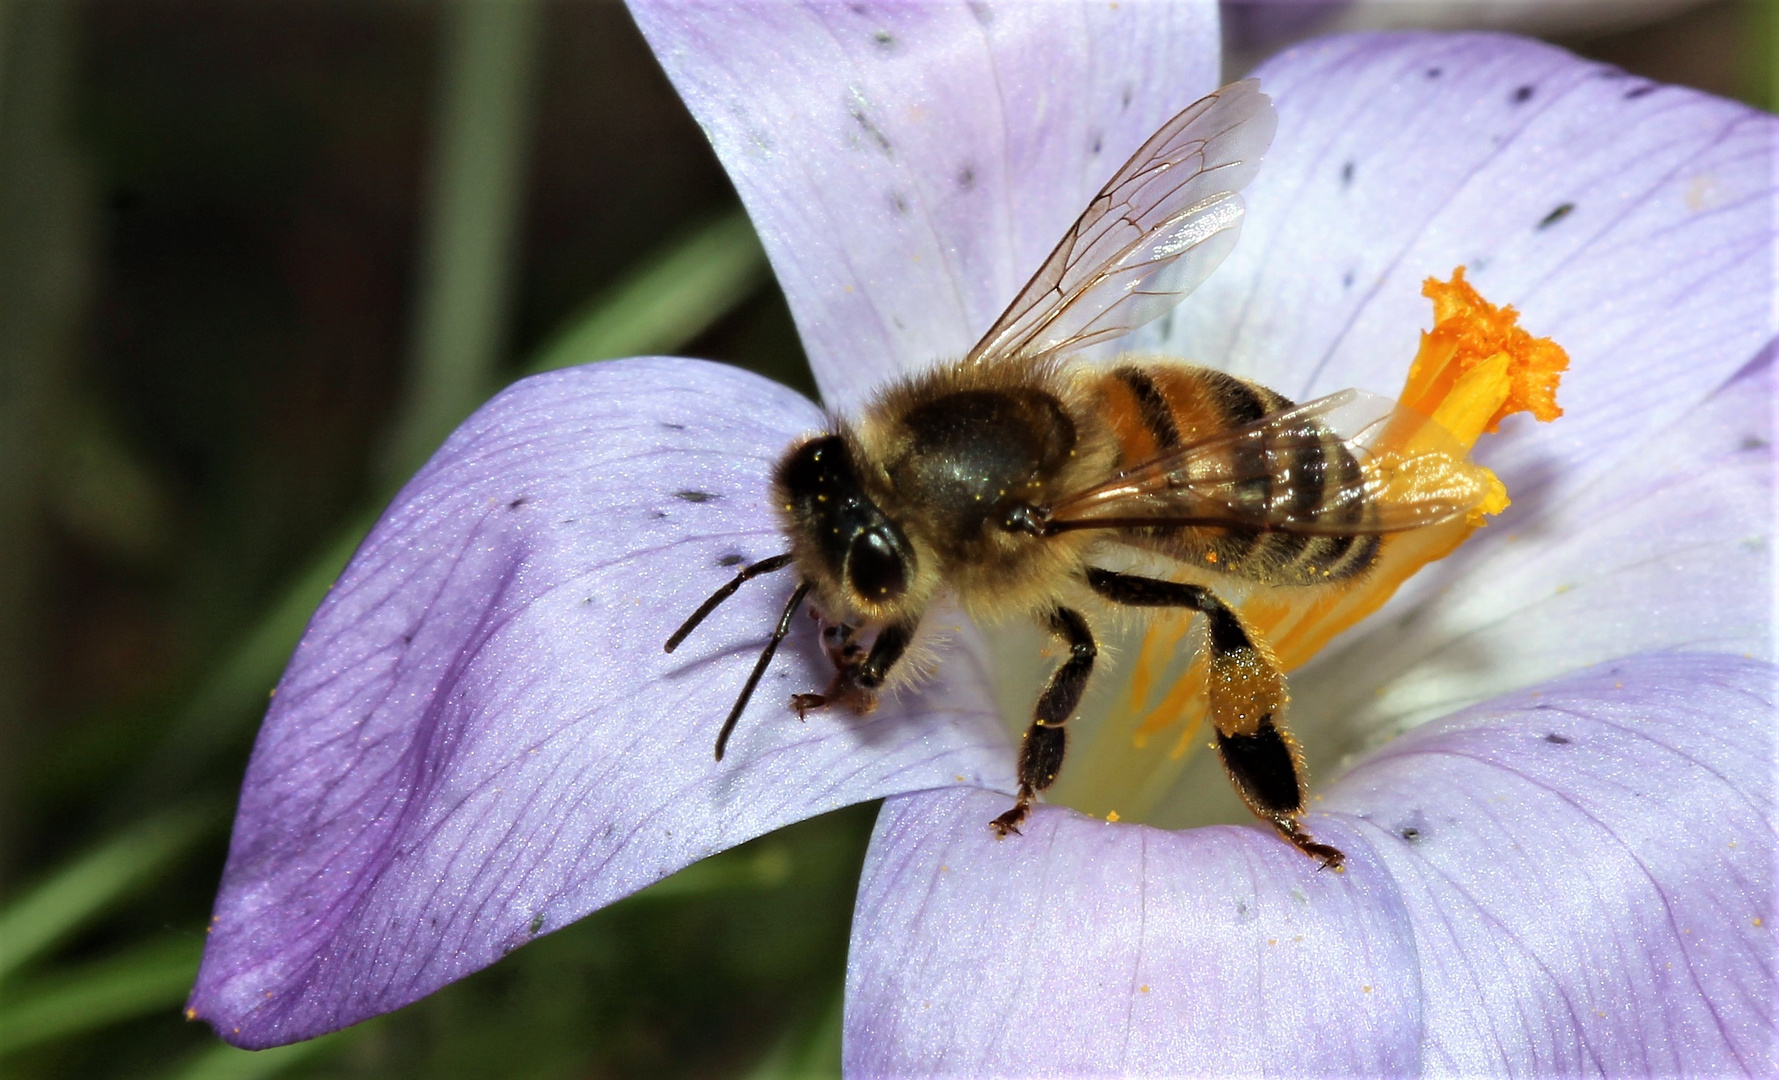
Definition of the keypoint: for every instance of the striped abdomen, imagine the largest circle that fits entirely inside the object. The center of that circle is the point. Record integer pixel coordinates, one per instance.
(1159, 408)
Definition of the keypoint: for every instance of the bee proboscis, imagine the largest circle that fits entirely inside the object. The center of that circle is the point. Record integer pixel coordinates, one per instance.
(1004, 479)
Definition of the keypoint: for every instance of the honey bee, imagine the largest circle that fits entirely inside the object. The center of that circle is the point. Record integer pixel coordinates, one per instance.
(1004, 479)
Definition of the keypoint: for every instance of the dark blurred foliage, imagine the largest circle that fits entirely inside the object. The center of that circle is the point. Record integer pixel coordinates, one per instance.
(234, 207)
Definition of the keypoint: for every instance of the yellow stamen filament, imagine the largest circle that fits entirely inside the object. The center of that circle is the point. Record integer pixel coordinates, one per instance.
(1473, 369)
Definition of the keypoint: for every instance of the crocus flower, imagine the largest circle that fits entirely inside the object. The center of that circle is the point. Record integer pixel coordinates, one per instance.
(1568, 869)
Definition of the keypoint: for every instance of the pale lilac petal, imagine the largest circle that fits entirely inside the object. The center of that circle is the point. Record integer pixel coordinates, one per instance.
(1589, 871)
(1257, 25)
(1579, 880)
(480, 739)
(908, 167)
(1671, 548)
(1084, 948)
(1634, 223)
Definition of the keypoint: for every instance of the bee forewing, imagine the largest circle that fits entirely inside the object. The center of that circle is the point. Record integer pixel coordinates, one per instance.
(1408, 473)
(1153, 233)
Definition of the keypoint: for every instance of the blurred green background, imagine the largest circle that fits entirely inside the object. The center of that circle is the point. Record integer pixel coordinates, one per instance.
(256, 259)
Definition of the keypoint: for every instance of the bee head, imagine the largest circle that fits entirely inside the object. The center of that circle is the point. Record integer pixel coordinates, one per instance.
(843, 540)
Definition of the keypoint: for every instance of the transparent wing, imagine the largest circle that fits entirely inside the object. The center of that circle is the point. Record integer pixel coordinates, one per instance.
(1153, 233)
(1348, 463)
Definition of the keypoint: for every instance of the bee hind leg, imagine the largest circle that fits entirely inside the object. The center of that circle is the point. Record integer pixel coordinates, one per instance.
(1247, 705)
(1041, 752)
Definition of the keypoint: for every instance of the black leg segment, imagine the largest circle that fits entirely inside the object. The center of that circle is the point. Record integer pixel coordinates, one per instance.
(1041, 754)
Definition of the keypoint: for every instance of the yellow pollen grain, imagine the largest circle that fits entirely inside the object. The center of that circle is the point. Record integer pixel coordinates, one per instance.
(1755, 921)
(1143, 989)
(1475, 368)
(1112, 815)
(1365, 989)
(191, 1014)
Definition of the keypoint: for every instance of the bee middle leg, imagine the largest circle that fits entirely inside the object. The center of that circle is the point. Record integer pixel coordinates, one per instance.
(1040, 756)
(1247, 702)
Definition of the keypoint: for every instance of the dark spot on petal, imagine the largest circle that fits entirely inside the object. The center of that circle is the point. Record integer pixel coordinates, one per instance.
(731, 559)
(897, 203)
(694, 496)
(1752, 442)
(1560, 740)
(1099, 142)
(1125, 98)
(966, 178)
(883, 39)
(1346, 174)
(1638, 91)
(658, 514)
(1346, 280)
(520, 501)
(858, 9)
(407, 639)
(1435, 72)
(1556, 215)
(537, 923)
(984, 14)
(1409, 833)
(673, 427)
(1522, 95)
(1612, 73)
(871, 129)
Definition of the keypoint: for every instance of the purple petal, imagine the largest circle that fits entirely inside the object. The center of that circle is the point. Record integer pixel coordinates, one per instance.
(1631, 222)
(1083, 948)
(1577, 880)
(480, 739)
(1255, 25)
(1589, 871)
(909, 167)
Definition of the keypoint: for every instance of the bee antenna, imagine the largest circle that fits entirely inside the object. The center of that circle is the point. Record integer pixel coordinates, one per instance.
(748, 573)
(784, 627)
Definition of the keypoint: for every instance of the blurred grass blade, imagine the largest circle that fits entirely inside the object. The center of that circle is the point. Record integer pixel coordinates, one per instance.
(762, 864)
(224, 1062)
(59, 906)
(476, 177)
(812, 1053)
(152, 978)
(233, 695)
(668, 301)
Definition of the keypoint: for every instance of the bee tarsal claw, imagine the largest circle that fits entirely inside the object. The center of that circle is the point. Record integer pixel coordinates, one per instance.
(1010, 821)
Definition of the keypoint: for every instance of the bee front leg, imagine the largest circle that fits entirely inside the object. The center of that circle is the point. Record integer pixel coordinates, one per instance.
(1040, 755)
(858, 675)
(1247, 705)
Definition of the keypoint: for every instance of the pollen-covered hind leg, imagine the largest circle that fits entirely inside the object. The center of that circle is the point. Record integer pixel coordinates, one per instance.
(1041, 754)
(1247, 703)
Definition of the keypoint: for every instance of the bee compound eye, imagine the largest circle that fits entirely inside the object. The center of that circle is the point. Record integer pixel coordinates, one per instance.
(875, 567)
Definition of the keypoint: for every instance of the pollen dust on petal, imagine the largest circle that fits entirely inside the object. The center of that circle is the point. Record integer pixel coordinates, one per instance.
(1474, 368)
